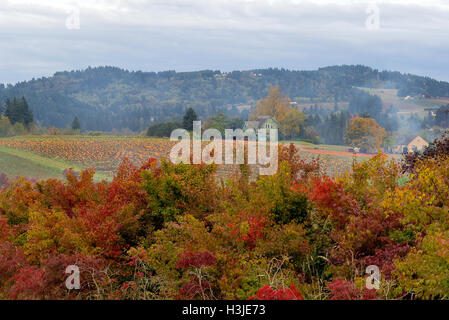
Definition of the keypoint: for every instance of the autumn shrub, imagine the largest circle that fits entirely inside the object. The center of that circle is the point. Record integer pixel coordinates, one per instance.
(4, 181)
(268, 293)
(177, 189)
(347, 290)
(176, 231)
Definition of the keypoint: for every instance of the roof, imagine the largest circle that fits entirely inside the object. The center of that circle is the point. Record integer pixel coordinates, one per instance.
(419, 140)
(256, 124)
(265, 118)
(406, 141)
(252, 124)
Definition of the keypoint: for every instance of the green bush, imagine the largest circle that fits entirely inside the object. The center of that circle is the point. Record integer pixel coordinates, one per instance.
(163, 129)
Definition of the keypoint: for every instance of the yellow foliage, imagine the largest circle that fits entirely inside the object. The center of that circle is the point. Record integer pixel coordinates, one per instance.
(365, 133)
(277, 105)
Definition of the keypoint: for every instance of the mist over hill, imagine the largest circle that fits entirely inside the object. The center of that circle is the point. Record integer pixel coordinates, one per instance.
(108, 98)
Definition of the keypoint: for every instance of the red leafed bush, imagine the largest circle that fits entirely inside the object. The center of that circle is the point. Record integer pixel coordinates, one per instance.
(268, 293)
(332, 198)
(384, 258)
(5, 231)
(11, 260)
(48, 280)
(29, 283)
(195, 289)
(196, 260)
(255, 232)
(346, 290)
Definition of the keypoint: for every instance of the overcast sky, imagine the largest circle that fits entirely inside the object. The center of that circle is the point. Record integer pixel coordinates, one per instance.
(40, 37)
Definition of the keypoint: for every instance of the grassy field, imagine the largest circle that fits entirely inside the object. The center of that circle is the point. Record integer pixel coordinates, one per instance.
(389, 97)
(406, 106)
(16, 162)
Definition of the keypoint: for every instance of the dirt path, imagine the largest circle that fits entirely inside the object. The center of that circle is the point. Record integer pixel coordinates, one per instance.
(342, 153)
(337, 153)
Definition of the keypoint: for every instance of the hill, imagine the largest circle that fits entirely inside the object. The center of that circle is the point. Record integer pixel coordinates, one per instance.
(108, 98)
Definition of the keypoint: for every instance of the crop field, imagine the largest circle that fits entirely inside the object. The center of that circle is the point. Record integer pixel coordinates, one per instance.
(57, 153)
(41, 157)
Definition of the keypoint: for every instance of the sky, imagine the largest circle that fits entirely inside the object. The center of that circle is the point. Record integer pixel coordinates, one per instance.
(41, 37)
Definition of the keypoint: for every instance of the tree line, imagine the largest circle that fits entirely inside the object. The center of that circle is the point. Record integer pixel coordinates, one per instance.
(16, 117)
(358, 126)
(17, 110)
(108, 98)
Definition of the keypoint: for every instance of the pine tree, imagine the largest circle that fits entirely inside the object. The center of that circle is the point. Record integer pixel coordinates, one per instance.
(18, 111)
(189, 117)
(12, 112)
(27, 115)
(7, 108)
(76, 124)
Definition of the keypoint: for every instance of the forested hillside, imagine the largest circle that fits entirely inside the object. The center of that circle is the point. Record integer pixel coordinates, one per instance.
(107, 98)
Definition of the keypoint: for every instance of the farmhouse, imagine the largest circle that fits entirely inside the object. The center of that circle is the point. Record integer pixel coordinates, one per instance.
(263, 122)
(417, 144)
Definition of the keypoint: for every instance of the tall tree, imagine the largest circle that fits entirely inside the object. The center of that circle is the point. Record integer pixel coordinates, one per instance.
(277, 105)
(365, 133)
(11, 111)
(27, 115)
(189, 117)
(363, 103)
(18, 111)
(292, 124)
(76, 124)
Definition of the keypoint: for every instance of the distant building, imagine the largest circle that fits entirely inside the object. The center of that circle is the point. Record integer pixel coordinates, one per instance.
(417, 144)
(353, 149)
(263, 122)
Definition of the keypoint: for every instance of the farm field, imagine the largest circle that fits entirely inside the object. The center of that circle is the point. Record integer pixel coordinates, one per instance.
(41, 157)
(16, 165)
(16, 162)
(406, 106)
(80, 152)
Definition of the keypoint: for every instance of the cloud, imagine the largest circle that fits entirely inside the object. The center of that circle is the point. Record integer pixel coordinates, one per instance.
(221, 34)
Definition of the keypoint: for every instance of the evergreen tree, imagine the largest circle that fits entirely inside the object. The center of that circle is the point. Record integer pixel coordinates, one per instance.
(27, 115)
(7, 108)
(18, 111)
(189, 117)
(76, 124)
(12, 111)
